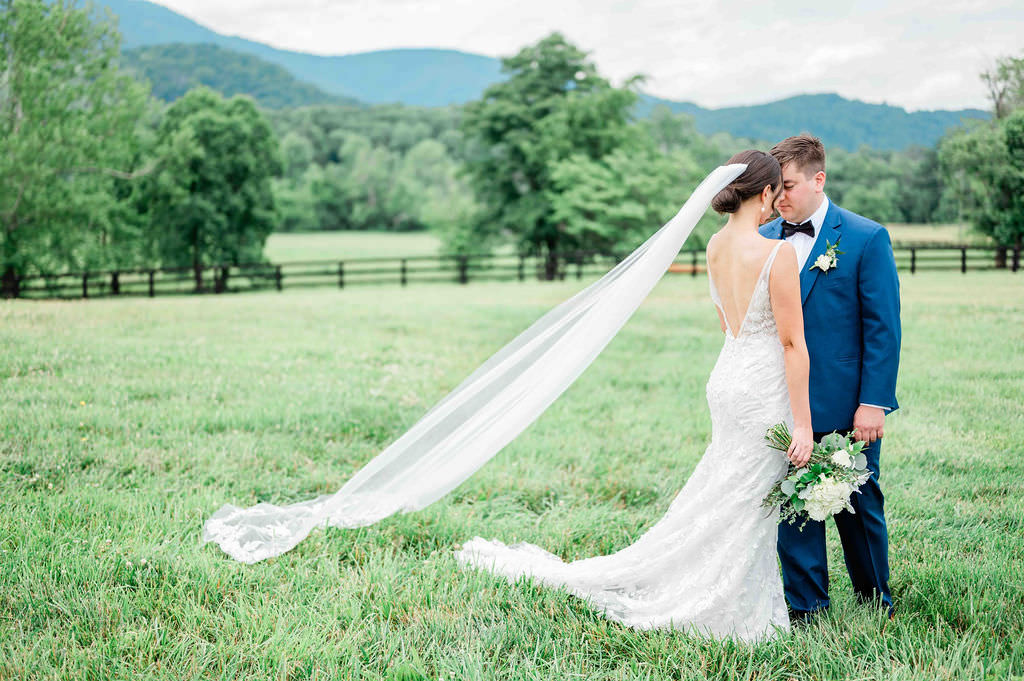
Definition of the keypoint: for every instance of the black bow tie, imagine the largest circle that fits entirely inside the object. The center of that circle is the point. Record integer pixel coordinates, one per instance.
(789, 229)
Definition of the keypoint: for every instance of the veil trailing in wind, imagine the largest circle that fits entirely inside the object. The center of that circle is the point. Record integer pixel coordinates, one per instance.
(482, 414)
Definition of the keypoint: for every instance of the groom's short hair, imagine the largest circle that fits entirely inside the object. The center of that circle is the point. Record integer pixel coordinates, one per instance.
(806, 151)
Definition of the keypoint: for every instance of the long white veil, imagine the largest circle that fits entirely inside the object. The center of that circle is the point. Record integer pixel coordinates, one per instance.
(483, 413)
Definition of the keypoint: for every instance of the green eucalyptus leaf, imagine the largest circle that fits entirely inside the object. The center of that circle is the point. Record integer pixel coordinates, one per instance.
(834, 441)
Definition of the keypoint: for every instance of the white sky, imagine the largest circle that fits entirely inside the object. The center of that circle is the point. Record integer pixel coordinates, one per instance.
(912, 53)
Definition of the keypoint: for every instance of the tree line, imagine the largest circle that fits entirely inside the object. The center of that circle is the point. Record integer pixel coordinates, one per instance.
(984, 164)
(97, 174)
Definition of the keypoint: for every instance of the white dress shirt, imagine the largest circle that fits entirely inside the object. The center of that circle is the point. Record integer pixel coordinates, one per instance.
(803, 244)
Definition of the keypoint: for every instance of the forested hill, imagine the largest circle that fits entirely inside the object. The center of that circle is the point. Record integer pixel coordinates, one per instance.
(838, 121)
(175, 68)
(420, 77)
(436, 77)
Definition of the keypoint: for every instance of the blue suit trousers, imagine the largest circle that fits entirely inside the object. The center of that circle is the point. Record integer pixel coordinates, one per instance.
(865, 547)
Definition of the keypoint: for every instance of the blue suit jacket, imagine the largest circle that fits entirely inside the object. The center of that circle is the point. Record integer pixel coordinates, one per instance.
(851, 319)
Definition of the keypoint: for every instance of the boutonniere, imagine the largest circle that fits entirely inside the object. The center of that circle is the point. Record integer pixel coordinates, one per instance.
(829, 259)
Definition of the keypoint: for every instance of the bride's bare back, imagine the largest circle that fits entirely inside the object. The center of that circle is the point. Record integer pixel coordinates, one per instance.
(735, 261)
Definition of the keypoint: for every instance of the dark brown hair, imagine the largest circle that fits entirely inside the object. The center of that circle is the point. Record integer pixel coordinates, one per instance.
(762, 169)
(805, 151)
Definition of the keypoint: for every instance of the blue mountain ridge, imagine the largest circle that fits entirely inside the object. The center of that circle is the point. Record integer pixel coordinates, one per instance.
(442, 77)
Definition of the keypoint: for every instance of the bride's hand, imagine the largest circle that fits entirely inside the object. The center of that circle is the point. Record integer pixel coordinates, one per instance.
(800, 447)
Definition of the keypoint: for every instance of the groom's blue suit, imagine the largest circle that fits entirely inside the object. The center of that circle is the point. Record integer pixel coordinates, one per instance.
(852, 328)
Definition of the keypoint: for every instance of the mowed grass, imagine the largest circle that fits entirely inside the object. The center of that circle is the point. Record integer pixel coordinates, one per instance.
(936, 234)
(283, 247)
(300, 246)
(126, 423)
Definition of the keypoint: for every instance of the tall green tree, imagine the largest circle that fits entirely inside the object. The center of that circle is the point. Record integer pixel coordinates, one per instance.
(67, 136)
(677, 132)
(986, 164)
(212, 201)
(553, 105)
(1005, 83)
(613, 203)
(360, 190)
(293, 192)
(431, 189)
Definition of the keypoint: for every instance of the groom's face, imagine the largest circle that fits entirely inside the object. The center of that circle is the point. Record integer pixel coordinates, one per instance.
(801, 195)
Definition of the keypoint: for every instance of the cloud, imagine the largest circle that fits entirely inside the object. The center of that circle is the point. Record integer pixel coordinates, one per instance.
(911, 53)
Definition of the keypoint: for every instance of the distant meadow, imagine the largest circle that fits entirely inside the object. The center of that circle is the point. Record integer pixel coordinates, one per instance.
(126, 423)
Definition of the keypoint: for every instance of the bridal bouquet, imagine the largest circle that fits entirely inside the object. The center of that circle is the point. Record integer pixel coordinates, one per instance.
(822, 487)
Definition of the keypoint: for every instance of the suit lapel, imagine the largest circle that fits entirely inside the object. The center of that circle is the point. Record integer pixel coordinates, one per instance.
(829, 233)
(773, 230)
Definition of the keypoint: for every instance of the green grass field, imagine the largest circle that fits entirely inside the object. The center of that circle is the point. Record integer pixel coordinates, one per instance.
(930, 234)
(291, 247)
(127, 422)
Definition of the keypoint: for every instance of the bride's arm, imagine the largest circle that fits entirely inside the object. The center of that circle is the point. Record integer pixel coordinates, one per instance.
(784, 290)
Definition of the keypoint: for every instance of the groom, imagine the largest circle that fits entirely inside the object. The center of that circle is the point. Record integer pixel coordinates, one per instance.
(851, 310)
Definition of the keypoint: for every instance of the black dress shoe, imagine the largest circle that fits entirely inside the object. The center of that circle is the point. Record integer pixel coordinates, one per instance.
(801, 618)
(798, 618)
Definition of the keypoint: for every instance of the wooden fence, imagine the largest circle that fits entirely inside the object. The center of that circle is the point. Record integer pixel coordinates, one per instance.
(416, 269)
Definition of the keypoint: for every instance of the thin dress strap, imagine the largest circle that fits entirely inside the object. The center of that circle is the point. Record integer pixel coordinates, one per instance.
(771, 258)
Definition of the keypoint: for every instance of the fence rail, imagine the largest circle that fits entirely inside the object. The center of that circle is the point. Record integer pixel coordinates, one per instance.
(418, 269)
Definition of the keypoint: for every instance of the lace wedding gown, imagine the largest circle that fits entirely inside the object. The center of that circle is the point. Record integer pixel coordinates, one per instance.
(709, 564)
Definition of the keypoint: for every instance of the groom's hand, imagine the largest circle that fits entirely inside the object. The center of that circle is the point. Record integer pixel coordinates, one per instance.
(868, 423)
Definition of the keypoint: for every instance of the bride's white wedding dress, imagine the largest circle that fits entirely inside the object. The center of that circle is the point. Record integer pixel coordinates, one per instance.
(709, 564)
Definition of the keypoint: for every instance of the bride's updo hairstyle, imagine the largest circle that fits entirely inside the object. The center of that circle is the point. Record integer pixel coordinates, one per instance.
(762, 169)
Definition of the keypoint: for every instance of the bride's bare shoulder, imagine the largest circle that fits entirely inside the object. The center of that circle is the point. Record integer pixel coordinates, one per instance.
(785, 260)
(713, 246)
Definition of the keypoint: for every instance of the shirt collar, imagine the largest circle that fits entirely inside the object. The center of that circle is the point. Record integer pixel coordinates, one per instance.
(818, 217)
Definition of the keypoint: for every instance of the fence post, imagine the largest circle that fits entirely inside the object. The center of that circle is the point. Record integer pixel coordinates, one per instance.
(220, 279)
(522, 268)
(913, 260)
(693, 262)
(115, 284)
(1015, 265)
(11, 285)
(341, 274)
(403, 272)
(278, 277)
(463, 265)
(963, 261)
(85, 285)
(152, 288)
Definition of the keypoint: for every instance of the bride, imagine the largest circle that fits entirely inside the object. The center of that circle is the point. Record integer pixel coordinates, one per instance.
(709, 564)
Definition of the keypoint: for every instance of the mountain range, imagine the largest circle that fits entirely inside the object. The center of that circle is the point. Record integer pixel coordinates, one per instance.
(439, 77)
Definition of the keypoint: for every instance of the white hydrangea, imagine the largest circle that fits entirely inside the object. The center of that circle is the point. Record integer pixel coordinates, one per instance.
(827, 497)
(842, 458)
